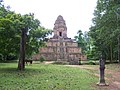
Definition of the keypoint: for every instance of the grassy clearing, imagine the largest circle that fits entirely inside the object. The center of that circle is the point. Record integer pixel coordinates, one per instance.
(45, 77)
(115, 67)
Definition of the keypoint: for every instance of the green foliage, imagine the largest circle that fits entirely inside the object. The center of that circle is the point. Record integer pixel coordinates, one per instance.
(81, 41)
(42, 58)
(11, 25)
(36, 39)
(45, 77)
(86, 43)
(91, 62)
(8, 37)
(105, 31)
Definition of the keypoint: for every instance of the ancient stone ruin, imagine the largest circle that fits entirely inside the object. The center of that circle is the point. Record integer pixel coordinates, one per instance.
(60, 47)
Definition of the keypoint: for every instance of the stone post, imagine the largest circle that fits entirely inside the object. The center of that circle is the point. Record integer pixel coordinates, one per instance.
(79, 61)
(102, 68)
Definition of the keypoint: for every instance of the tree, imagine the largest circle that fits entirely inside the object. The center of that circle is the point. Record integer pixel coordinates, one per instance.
(80, 40)
(90, 48)
(36, 36)
(7, 33)
(36, 39)
(105, 31)
(20, 31)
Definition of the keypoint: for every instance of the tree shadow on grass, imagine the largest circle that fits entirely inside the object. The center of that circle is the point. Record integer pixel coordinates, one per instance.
(26, 73)
(8, 69)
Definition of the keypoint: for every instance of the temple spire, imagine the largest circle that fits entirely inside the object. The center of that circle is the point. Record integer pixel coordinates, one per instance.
(60, 29)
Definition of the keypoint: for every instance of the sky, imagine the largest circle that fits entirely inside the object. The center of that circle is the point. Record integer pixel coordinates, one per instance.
(78, 14)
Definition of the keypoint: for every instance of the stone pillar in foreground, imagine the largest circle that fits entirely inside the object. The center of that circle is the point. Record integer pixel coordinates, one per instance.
(102, 68)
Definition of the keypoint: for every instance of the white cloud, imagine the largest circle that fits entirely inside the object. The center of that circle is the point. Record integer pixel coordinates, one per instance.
(77, 13)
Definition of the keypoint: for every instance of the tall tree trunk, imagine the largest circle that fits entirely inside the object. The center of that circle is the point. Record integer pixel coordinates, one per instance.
(111, 54)
(118, 49)
(21, 63)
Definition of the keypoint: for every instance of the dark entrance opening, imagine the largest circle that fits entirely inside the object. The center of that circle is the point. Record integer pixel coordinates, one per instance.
(60, 33)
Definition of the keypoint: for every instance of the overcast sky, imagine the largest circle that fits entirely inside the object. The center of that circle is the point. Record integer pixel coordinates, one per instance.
(77, 13)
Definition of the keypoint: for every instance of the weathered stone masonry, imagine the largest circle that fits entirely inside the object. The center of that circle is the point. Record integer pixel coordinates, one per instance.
(60, 47)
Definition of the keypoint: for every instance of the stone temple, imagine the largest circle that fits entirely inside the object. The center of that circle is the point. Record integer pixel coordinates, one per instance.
(60, 47)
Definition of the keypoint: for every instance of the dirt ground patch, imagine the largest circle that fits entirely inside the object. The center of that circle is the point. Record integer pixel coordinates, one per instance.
(112, 77)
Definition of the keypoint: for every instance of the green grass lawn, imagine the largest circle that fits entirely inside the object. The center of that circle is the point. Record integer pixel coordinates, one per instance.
(45, 77)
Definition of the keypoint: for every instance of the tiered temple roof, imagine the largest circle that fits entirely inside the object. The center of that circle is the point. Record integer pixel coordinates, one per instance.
(60, 47)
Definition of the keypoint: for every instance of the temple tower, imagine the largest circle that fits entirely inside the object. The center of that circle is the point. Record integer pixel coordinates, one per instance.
(60, 47)
(60, 29)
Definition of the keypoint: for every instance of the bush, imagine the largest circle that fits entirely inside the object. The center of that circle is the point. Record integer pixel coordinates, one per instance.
(91, 62)
(3, 61)
(61, 62)
(42, 58)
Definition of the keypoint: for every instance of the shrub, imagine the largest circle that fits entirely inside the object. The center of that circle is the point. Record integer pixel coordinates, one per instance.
(42, 58)
(91, 63)
(61, 62)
